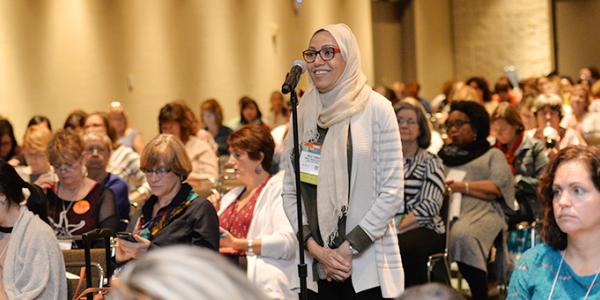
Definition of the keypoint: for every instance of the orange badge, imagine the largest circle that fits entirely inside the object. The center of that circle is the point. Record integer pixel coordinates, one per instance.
(81, 207)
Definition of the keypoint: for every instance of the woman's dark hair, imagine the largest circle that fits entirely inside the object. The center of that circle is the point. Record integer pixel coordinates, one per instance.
(39, 119)
(590, 156)
(12, 185)
(424, 138)
(6, 128)
(247, 102)
(180, 113)
(78, 115)
(111, 132)
(483, 85)
(479, 118)
(254, 139)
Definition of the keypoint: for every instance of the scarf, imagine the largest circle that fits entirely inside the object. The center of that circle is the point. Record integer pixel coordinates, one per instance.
(150, 228)
(453, 155)
(509, 153)
(333, 110)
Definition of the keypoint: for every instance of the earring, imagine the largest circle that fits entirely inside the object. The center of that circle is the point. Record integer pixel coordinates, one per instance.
(258, 169)
(474, 137)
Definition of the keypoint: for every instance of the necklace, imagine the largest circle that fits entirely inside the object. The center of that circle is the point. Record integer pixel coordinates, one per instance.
(562, 259)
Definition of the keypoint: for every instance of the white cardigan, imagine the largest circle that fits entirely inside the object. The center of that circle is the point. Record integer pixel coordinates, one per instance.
(271, 271)
(376, 194)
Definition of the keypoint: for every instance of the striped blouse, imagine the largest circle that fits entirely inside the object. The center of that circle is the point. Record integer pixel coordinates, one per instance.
(424, 189)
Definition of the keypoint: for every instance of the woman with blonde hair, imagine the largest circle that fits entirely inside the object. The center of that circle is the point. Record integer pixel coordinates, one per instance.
(35, 147)
(125, 135)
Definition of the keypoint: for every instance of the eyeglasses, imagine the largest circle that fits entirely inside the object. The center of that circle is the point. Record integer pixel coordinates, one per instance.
(326, 53)
(160, 172)
(99, 150)
(65, 167)
(457, 124)
(402, 121)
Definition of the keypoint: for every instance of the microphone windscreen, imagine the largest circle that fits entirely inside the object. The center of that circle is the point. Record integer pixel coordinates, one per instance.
(299, 63)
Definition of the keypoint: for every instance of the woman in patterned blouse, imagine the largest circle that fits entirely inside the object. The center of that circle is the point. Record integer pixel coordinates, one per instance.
(420, 229)
(253, 222)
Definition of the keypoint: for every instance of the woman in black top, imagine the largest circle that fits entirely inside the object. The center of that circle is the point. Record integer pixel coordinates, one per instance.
(174, 214)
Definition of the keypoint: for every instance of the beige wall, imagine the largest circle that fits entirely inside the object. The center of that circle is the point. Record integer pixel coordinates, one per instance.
(433, 45)
(59, 55)
(577, 35)
(491, 34)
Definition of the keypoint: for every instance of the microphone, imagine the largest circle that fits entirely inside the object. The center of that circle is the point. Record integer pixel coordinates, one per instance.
(292, 78)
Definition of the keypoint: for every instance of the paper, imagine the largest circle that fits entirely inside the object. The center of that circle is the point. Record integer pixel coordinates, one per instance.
(455, 198)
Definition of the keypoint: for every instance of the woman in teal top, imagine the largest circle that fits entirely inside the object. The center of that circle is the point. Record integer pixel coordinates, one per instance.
(567, 266)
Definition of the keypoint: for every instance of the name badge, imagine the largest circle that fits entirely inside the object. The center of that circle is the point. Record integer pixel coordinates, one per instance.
(310, 159)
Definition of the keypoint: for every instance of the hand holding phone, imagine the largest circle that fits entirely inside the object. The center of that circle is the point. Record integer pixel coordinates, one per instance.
(126, 236)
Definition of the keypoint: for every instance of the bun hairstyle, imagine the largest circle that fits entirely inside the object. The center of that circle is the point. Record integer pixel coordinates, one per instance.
(12, 185)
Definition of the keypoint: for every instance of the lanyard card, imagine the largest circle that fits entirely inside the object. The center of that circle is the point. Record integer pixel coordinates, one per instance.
(310, 158)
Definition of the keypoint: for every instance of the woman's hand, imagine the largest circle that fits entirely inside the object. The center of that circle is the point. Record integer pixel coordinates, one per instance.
(336, 267)
(46, 182)
(227, 240)
(129, 250)
(215, 199)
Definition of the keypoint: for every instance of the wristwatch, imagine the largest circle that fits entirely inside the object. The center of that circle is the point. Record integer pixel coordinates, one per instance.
(354, 251)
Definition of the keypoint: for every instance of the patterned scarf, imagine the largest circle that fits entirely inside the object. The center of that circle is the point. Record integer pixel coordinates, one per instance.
(149, 229)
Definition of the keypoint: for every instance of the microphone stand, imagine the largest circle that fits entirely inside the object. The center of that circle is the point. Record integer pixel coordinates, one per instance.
(302, 270)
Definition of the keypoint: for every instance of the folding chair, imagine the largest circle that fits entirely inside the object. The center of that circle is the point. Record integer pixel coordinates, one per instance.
(434, 259)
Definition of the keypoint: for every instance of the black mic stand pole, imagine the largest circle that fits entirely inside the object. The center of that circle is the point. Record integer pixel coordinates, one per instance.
(302, 270)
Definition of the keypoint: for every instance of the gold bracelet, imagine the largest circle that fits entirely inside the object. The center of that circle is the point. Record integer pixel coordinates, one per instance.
(466, 187)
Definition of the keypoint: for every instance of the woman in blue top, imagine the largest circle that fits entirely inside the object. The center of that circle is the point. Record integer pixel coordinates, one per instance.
(567, 266)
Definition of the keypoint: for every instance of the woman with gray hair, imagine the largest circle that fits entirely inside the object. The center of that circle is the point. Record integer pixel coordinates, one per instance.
(181, 272)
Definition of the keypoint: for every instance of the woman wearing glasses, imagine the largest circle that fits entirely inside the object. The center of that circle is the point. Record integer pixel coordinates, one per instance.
(174, 214)
(77, 204)
(97, 149)
(351, 173)
(486, 188)
(420, 229)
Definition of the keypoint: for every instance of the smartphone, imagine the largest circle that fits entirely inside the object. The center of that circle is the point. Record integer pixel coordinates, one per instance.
(126, 236)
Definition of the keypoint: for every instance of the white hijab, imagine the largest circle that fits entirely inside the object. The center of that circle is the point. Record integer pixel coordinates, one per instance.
(333, 110)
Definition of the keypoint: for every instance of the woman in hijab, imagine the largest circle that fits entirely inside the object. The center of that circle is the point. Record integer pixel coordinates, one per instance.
(350, 195)
(486, 188)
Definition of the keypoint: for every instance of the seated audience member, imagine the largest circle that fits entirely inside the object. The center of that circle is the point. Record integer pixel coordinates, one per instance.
(174, 119)
(585, 119)
(486, 188)
(526, 158)
(124, 161)
(431, 291)
(39, 121)
(547, 109)
(180, 273)
(567, 264)
(31, 262)
(525, 111)
(211, 115)
(436, 142)
(125, 135)
(76, 204)
(76, 121)
(252, 218)
(250, 113)
(482, 88)
(9, 149)
(174, 214)
(35, 147)
(97, 148)
(279, 114)
(421, 230)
